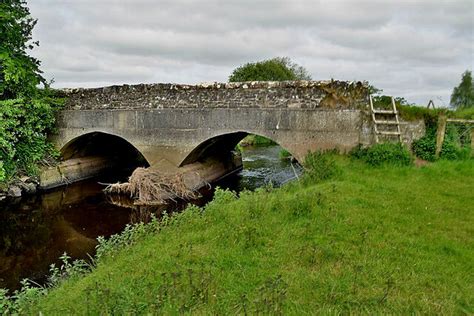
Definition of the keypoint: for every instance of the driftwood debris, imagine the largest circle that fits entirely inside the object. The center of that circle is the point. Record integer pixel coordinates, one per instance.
(151, 187)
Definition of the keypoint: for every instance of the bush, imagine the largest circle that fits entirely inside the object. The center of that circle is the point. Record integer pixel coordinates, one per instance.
(384, 153)
(425, 147)
(26, 111)
(24, 125)
(320, 166)
(275, 69)
(456, 145)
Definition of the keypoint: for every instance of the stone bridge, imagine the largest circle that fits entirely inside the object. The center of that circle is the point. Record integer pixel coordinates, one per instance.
(173, 125)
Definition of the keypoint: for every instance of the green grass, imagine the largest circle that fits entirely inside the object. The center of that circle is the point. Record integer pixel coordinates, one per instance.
(467, 113)
(414, 112)
(394, 240)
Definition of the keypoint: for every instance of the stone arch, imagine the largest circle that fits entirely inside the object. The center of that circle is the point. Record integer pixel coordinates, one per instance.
(220, 146)
(108, 145)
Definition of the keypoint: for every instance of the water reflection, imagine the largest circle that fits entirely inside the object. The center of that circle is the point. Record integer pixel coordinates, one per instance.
(37, 230)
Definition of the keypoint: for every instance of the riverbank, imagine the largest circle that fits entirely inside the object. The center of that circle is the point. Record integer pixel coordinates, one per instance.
(372, 240)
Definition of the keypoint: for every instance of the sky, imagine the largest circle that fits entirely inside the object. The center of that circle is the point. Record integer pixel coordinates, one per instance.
(413, 49)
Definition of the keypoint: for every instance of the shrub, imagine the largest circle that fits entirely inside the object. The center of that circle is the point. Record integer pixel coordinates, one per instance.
(26, 111)
(456, 145)
(24, 124)
(425, 147)
(320, 166)
(384, 153)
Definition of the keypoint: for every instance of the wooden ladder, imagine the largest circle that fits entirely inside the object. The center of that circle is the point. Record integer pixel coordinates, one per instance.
(384, 121)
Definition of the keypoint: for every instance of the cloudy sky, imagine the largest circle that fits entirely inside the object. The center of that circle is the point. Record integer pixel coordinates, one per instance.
(414, 49)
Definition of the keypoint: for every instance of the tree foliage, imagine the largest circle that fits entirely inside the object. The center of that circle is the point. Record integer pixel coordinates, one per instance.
(19, 72)
(385, 101)
(26, 111)
(463, 95)
(275, 69)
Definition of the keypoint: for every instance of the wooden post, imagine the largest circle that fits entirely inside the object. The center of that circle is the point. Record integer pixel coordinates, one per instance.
(440, 134)
(472, 141)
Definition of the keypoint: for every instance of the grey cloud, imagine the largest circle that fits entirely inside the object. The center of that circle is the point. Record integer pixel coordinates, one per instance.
(415, 49)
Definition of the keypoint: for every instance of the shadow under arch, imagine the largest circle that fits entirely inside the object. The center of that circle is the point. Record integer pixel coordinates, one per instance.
(113, 147)
(218, 147)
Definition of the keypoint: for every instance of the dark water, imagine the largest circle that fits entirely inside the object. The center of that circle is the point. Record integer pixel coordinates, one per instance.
(35, 231)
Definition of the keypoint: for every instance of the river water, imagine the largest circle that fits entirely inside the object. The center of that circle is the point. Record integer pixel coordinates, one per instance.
(36, 230)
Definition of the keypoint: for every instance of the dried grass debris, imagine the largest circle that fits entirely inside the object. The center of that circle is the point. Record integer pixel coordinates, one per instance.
(147, 186)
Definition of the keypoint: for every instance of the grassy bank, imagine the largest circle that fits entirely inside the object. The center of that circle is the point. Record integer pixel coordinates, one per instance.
(373, 240)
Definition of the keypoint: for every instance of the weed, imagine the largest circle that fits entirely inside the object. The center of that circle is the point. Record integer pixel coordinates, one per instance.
(456, 144)
(68, 269)
(284, 154)
(384, 153)
(320, 166)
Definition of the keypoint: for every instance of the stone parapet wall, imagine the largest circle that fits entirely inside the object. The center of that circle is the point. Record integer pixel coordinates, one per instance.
(412, 130)
(286, 94)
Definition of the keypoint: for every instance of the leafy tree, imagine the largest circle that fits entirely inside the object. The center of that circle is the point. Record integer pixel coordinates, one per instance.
(275, 69)
(26, 111)
(463, 95)
(19, 72)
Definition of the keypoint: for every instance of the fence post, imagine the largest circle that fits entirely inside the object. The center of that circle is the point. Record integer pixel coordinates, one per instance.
(440, 134)
(472, 141)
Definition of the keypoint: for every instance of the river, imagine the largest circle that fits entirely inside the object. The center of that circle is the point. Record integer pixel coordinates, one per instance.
(37, 230)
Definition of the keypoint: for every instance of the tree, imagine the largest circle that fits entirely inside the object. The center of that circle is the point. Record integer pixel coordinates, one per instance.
(19, 72)
(463, 95)
(385, 101)
(26, 111)
(275, 69)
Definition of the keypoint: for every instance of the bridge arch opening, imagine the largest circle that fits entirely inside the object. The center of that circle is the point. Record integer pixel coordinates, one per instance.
(259, 162)
(103, 151)
(220, 146)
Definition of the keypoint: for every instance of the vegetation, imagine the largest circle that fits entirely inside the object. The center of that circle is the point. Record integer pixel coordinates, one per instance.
(275, 69)
(256, 140)
(386, 240)
(457, 140)
(463, 95)
(320, 166)
(414, 112)
(455, 145)
(284, 154)
(26, 111)
(383, 153)
(464, 113)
